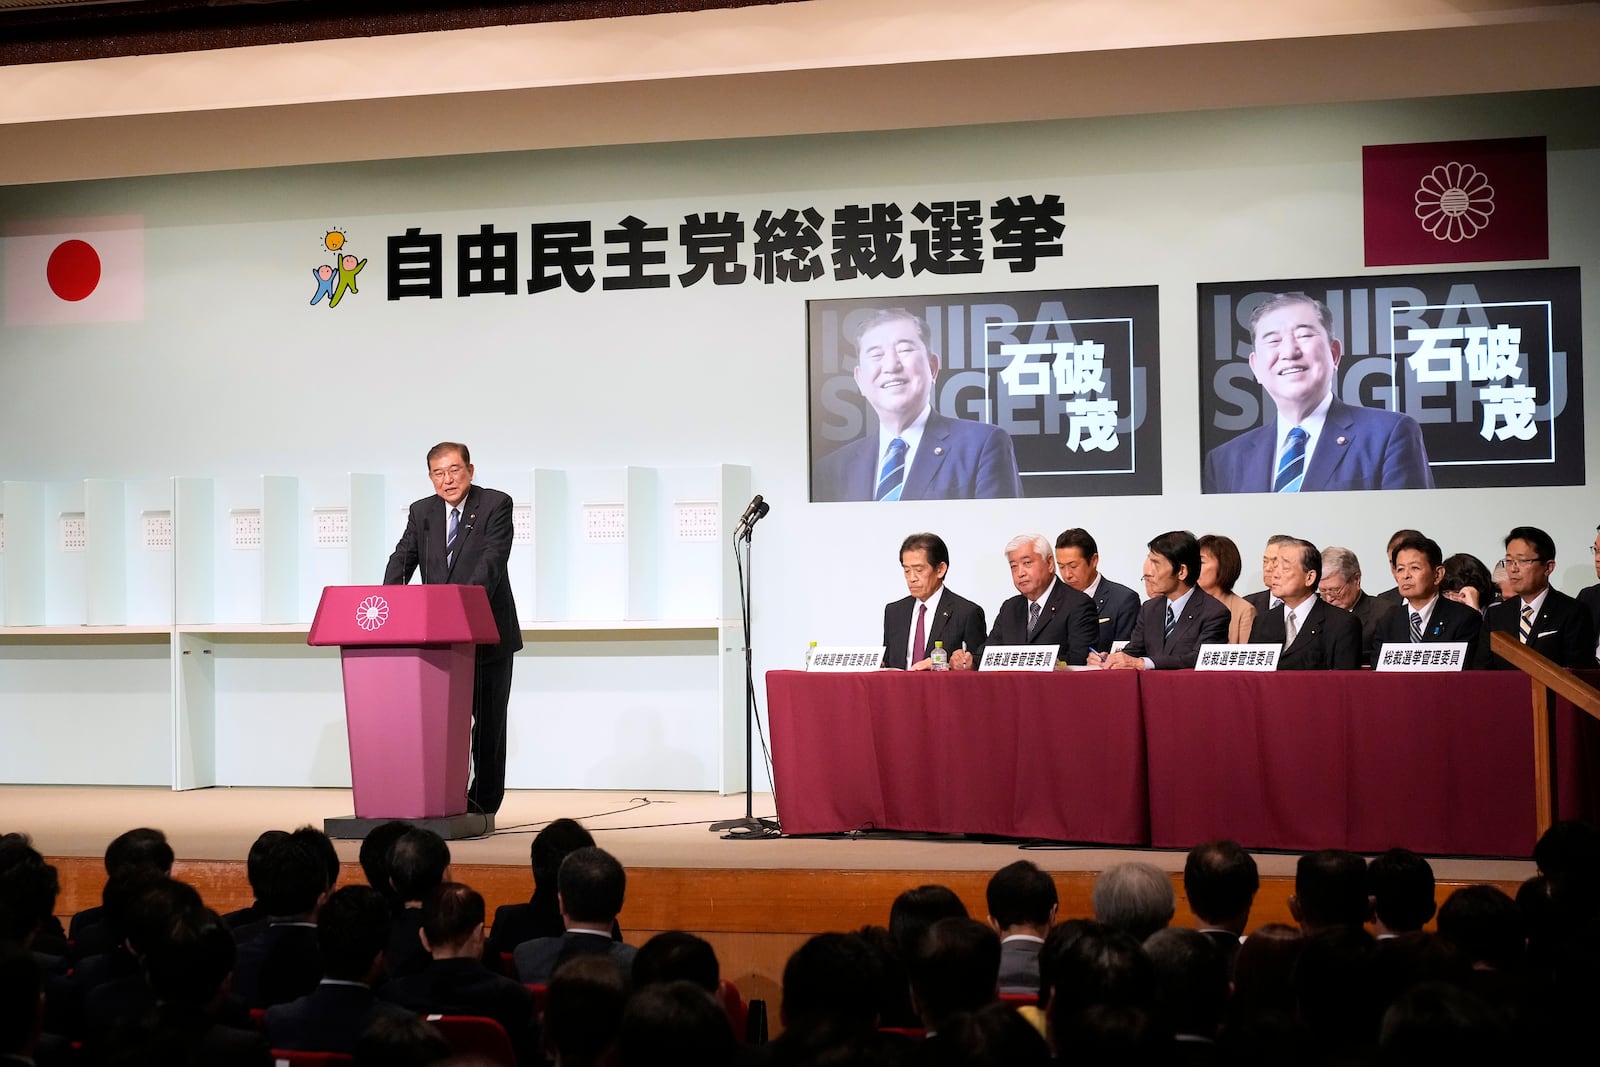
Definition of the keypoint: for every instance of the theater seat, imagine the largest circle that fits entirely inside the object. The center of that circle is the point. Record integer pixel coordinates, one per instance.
(477, 1036)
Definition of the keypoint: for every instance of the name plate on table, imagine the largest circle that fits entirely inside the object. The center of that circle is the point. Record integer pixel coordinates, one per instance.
(1019, 658)
(845, 659)
(1417, 658)
(1238, 657)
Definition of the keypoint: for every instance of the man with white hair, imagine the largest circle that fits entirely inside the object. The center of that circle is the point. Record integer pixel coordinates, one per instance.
(1045, 611)
(1341, 587)
(1136, 898)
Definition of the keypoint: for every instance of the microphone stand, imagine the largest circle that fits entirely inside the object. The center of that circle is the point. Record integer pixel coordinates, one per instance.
(749, 827)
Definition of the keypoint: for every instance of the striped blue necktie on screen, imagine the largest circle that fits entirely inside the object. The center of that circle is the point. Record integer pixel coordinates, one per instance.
(1292, 464)
(450, 537)
(892, 475)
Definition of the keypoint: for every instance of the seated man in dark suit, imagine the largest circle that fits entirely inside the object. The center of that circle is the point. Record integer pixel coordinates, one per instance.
(418, 861)
(143, 849)
(1179, 617)
(249, 921)
(1220, 881)
(932, 613)
(1589, 596)
(1262, 599)
(916, 453)
(541, 915)
(1116, 606)
(1022, 903)
(455, 981)
(282, 962)
(352, 931)
(1401, 886)
(1426, 615)
(1044, 611)
(1317, 441)
(592, 886)
(1315, 636)
(1545, 619)
(1341, 587)
(955, 967)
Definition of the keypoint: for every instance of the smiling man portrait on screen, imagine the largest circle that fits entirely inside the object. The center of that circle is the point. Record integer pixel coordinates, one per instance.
(1317, 442)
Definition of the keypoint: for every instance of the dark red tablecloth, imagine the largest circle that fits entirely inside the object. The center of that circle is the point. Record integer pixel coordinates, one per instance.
(1057, 756)
(1438, 763)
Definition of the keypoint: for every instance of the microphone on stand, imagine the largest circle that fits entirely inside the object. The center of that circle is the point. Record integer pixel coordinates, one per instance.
(757, 508)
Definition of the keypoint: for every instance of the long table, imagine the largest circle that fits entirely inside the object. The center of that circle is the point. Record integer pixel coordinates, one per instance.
(1439, 763)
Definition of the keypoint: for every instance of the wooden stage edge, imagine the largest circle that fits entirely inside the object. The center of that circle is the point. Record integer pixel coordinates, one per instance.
(755, 901)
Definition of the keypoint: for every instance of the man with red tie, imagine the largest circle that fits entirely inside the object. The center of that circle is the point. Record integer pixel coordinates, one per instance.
(931, 613)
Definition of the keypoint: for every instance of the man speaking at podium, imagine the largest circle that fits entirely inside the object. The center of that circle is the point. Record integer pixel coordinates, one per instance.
(462, 536)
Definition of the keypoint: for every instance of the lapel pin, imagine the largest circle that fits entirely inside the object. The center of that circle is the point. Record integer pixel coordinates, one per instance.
(1343, 441)
(938, 451)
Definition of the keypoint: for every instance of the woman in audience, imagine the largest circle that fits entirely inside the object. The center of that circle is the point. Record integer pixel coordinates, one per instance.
(1220, 567)
(1467, 580)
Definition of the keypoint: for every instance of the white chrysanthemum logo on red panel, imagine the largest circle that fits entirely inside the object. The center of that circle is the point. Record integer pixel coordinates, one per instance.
(372, 613)
(1454, 201)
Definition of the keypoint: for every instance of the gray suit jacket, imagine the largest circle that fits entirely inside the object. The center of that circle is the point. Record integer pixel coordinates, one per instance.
(536, 960)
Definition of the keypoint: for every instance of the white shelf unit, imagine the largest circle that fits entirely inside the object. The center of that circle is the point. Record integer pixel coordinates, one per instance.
(186, 665)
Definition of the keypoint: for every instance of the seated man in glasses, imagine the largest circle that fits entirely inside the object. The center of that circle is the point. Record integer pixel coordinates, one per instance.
(1545, 619)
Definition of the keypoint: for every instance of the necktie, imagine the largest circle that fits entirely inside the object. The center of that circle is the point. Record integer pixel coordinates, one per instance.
(1033, 617)
(919, 640)
(892, 475)
(1171, 620)
(1292, 463)
(450, 537)
(1290, 630)
(1527, 622)
(1416, 626)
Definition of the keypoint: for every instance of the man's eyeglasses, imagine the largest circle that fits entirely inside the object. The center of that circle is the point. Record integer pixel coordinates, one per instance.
(1511, 563)
(439, 474)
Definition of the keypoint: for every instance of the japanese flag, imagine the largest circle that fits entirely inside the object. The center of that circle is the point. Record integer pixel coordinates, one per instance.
(73, 270)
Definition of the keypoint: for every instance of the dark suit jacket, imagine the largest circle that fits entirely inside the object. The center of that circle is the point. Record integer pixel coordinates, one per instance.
(1116, 611)
(483, 546)
(1563, 631)
(1019, 966)
(538, 959)
(280, 964)
(1590, 598)
(1068, 620)
(1329, 639)
(1369, 612)
(1449, 623)
(959, 623)
(405, 954)
(958, 459)
(467, 987)
(331, 1018)
(1361, 448)
(1260, 600)
(1204, 621)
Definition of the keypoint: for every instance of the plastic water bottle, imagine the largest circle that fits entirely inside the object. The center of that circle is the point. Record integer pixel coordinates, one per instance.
(941, 659)
(811, 650)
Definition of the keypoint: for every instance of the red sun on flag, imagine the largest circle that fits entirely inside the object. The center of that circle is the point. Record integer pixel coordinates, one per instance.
(73, 270)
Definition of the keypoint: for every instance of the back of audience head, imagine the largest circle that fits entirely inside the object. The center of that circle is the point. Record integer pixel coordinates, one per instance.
(1096, 966)
(28, 890)
(142, 848)
(677, 955)
(830, 985)
(1439, 1023)
(452, 921)
(993, 1036)
(955, 967)
(418, 861)
(674, 1024)
(352, 933)
(593, 886)
(320, 845)
(1338, 997)
(1134, 897)
(1191, 981)
(255, 862)
(1486, 925)
(1021, 895)
(1220, 880)
(1262, 972)
(1330, 889)
(1401, 885)
(400, 1041)
(293, 878)
(21, 1002)
(583, 1010)
(914, 910)
(552, 845)
(191, 959)
(1568, 855)
(375, 856)
(152, 903)
(1056, 942)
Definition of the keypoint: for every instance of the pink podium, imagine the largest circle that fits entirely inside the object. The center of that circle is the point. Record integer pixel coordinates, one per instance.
(409, 653)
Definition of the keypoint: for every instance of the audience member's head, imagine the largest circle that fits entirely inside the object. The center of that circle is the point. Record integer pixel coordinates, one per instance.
(1400, 883)
(1021, 895)
(191, 959)
(1056, 942)
(255, 862)
(352, 933)
(1330, 889)
(1136, 898)
(321, 846)
(583, 1010)
(151, 904)
(1437, 1023)
(592, 885)
(1262, 972)
(1096, 966)
(293, 878)
(830, 986)
(1220, 881)
(674, 956)
(452, 921)
(993, 1036)
(142, 848)
(1486, 925)
(674, 1024)
(28, 890)
(1337, 995)
(417, 862)
(552, 845)
(375, 856)
(917, 909)
(1568, 855)
(1111, 1034)
(400, 1041)
(955, 967)
(1191, 981)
